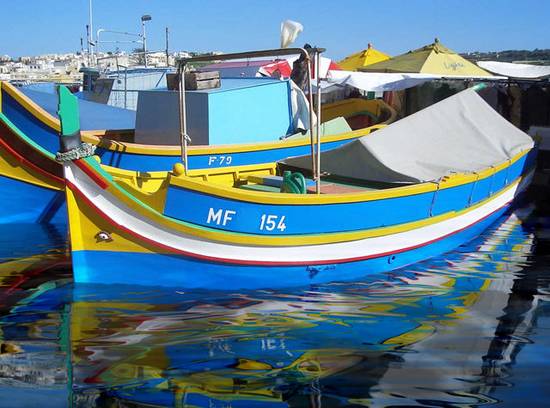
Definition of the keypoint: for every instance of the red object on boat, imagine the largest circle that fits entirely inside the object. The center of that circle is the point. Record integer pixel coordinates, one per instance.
(280, 68)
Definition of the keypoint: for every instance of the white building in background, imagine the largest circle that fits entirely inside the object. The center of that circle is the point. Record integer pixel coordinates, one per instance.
(41, 65)
(66, 67)
(182, 54)
(62, 66)
(157, 59)
(5, 70)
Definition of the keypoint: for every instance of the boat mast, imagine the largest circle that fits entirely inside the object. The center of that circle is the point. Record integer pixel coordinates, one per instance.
(184, 137)
(317, 175)
(91, 34)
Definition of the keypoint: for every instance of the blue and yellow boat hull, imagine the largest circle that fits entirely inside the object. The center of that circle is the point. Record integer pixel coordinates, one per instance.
(197, 233)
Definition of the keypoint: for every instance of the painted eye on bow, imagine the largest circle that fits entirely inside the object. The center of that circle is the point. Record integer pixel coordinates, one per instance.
(103, 236)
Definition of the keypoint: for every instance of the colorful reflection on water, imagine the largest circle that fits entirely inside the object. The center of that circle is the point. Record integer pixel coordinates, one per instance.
(468, 328)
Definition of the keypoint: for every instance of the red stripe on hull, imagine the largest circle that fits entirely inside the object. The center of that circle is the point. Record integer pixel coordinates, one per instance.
(82, 165)
(30, 164)
(244, 262)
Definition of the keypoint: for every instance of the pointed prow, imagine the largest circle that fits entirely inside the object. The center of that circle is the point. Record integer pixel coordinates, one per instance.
(71, 146)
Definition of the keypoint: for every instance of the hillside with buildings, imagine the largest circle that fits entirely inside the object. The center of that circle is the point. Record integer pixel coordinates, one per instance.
(536, 56)
(65, 68)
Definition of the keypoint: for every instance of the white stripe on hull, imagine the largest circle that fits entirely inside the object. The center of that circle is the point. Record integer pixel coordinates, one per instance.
(126, 216)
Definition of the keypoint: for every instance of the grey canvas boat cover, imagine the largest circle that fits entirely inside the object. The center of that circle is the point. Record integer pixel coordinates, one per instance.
(461, 134)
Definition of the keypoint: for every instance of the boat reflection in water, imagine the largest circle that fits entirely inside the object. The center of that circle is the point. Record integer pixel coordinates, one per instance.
(440, 332)
(33, 360)
(30, 254)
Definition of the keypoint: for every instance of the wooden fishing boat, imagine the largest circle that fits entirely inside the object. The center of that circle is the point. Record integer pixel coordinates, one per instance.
(417, 188)
(118, 148)
(32, 179)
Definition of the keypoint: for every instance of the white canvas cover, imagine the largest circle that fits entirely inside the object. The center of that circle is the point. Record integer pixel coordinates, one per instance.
(461, 134)
(376, 81)
(522, 71)
(387, 81)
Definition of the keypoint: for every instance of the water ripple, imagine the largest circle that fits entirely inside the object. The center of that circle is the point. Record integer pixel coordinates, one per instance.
(451, 331)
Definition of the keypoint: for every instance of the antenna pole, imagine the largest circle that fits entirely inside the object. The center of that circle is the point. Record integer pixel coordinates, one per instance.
(91, 33)
(167, 54)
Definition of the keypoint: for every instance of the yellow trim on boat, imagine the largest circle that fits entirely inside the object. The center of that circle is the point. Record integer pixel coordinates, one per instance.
(342, 107)
(42, 115)
(31, 106)
(135, 148)
(93, 136)
(296, 240)
(281, 198)
(298, 199)
(12, 168)
(464, 178)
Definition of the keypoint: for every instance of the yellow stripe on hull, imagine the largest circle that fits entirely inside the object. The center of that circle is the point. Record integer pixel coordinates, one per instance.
(10, 167)
(278, 198)
(89, 224)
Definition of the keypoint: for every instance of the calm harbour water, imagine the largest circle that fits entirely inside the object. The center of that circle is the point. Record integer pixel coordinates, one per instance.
(469, 328)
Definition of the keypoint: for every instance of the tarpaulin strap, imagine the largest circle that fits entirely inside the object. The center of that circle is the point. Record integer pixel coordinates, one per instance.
(473, 189)
(492, 182)
(435, 196)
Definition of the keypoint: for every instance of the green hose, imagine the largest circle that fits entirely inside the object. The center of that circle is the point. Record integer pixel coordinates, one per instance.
(294, 183)
(479, 87)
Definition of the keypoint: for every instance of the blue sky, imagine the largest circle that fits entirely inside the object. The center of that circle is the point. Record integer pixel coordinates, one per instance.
(31, 27)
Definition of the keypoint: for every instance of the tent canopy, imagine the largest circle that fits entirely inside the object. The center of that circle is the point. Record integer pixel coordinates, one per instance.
(376, 81)
(520, 71)
(461, 134)
(431, 59)
(362, 58)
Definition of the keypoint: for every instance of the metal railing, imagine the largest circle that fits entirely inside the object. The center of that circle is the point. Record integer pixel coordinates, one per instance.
(139, 56)
(133, 83)
(128, 83)
(182, 64)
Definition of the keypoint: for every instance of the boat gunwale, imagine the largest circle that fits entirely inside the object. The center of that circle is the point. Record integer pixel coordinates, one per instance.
(452, 180)
(46, 165)
(97, 175)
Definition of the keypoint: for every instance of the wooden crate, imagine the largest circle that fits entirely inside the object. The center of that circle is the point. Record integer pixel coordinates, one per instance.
(202, 80)
(195, 80)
